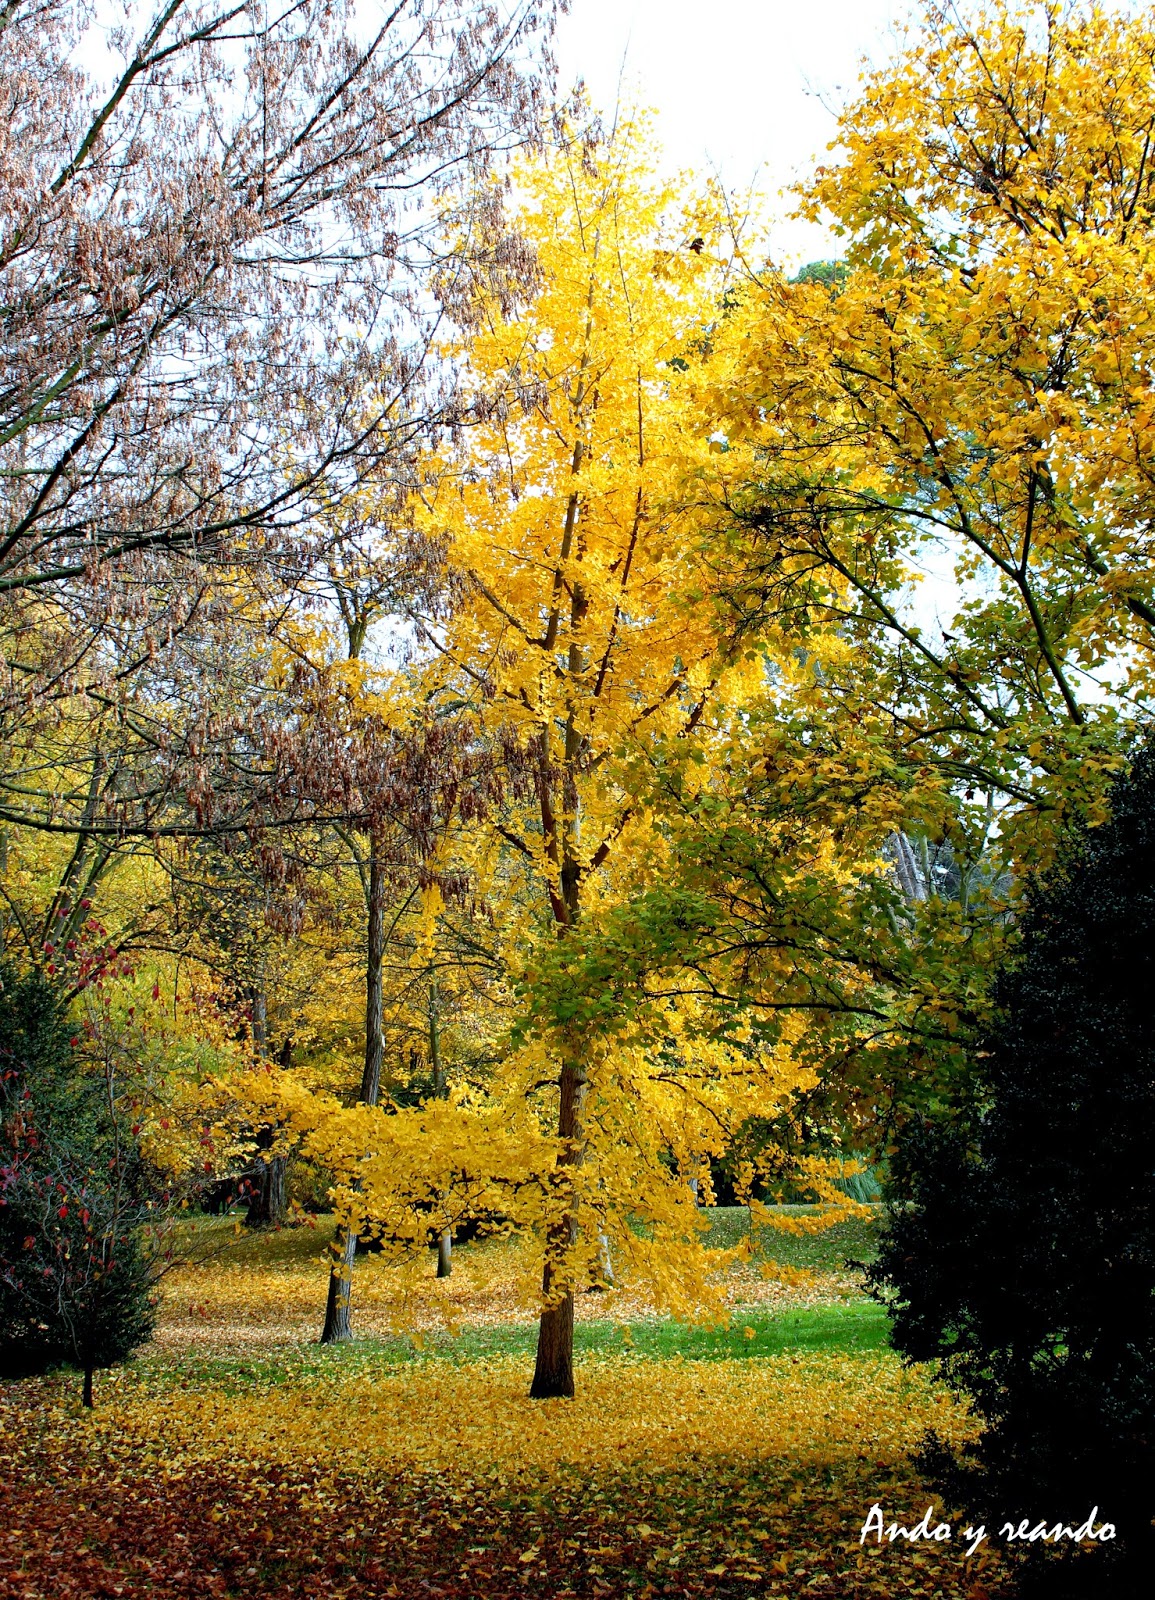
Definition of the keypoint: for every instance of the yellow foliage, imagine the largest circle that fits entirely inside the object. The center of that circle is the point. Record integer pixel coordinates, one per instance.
(970, 396)
(586, 640)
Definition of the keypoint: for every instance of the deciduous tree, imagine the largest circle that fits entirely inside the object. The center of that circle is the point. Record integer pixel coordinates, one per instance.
(587, 646)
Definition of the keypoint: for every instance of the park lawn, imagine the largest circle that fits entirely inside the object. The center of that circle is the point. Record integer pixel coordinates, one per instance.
(269, 1288)
(727, 1462)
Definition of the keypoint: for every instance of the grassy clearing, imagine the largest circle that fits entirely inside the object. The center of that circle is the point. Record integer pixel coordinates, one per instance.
(266, 1263)
(849, 1329)
(843, 1328)
(242, 1293)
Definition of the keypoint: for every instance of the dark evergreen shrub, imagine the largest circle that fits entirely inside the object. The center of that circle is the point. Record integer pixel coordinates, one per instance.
(75, 1276)
(1022, 1255)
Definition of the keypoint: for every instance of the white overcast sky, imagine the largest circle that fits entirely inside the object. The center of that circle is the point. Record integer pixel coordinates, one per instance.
(748, 87)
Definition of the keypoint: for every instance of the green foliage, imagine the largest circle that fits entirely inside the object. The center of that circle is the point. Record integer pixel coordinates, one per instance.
(831, 273)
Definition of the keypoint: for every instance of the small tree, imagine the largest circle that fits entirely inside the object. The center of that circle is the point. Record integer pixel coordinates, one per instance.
(75, 1274)
(1022, 1252)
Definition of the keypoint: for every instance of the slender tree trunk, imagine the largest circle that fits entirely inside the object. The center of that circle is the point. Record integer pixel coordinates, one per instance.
(339, 1305)
(553, 1371)
(87, 1395)
(605, 1264)
(338, 1327)
(268, 1205)
(440, 1088)
(260, 1020)
(439, 1083)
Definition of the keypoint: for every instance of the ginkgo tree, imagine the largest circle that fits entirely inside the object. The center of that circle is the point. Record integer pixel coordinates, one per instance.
(586, 640)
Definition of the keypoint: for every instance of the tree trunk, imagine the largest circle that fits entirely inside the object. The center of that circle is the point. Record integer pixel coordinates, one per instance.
(267, 1205)
(605, 1265)
(260, 1021)
(338, 1327)
(339, 1305)
(553, 1371)
(87, 1395)
(439, 1084)
(440, 1089)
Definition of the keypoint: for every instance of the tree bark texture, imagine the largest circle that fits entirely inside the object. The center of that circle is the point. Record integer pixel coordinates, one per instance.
(268, 1204)
(338, 1327)
(553, 1371)
(440, 1089)
(339, 1305)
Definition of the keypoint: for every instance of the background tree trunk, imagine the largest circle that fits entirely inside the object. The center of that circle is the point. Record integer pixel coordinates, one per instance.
(3, 884)
(268, 1204)
(338, 1327)
(605, 1264)
(440, 1089)
(339, 1305)
(553, 1371)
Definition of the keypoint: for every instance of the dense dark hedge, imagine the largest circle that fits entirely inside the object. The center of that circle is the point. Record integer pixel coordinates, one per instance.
(1020, 1249)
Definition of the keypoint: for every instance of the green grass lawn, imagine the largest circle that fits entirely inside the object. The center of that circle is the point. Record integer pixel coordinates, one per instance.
(827, 1251)
(855, 1325)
